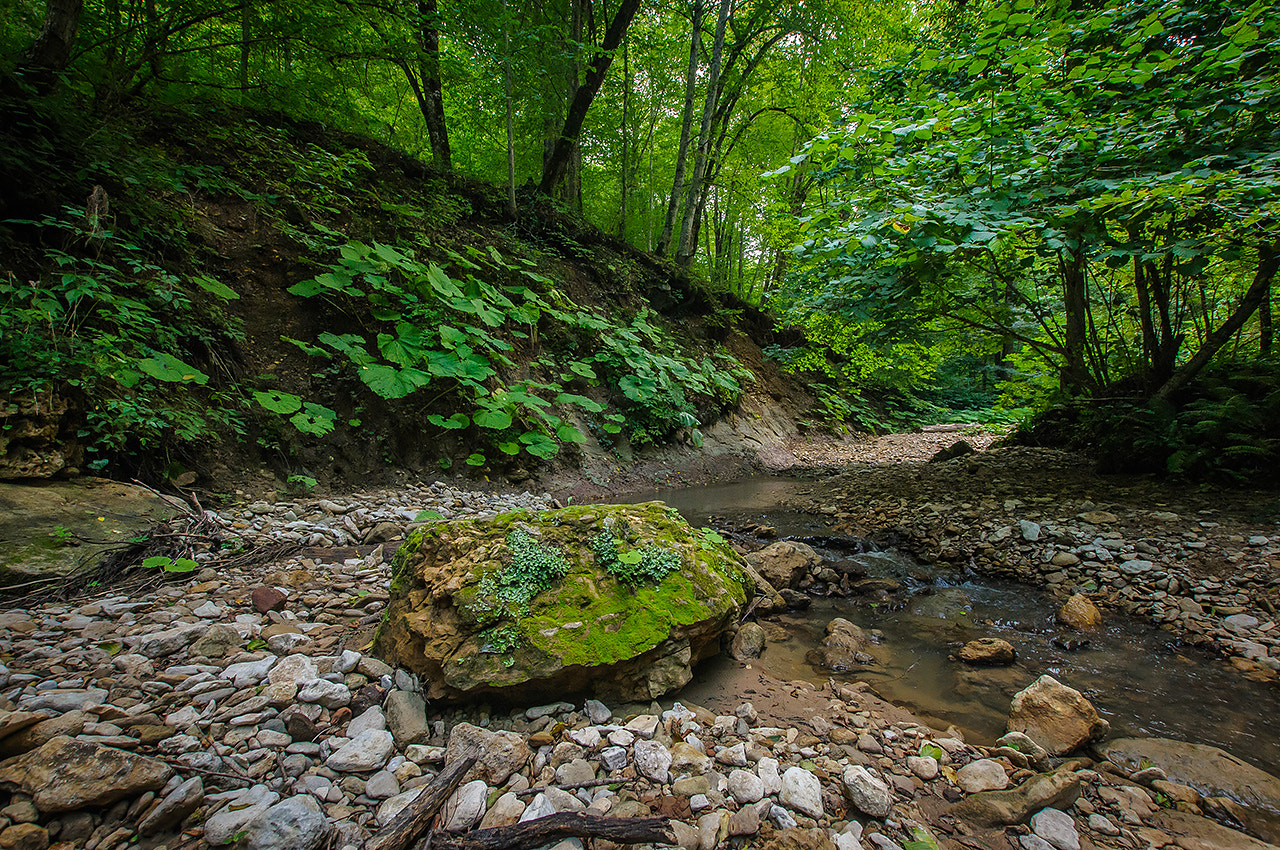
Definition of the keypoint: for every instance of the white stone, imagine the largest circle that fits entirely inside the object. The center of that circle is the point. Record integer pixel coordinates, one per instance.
(925, 767)
(866, 791)
(801, 792)
(368, 751)
(325, 693)
(247, 674)
(1057, 828)
(613, 758)
(767, 770)
(745, 786)
(371, 718)
(390, 808)
(653, 760)
(466, 806)
(224, 825)
(383, 785)
(982, 775)
(297, 823)
(296, 669)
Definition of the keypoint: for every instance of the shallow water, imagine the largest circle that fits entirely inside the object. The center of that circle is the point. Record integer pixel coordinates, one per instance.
(1139, 678)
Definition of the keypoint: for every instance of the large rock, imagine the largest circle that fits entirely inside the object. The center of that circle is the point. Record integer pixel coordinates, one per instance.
(1056, 717)
(498, 754)
(473, 618)
(1080, 614)
(988, 652)
(1209, 770)
(297, 823)
(65, 774)
(31, 516)
(1000, 808)
(843, 649)
(785, 563)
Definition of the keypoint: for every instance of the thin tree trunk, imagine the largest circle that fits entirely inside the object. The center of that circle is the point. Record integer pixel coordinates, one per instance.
(1268, 262)
(554, 170)
(246, 27)
(511, 121)
(1264, 322)
(1075, 374)
(692, 209)
(626, 98)
(431, 101)
(51, 51)
(686, 130)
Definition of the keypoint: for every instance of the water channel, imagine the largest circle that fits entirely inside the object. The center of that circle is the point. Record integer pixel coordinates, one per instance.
(1142, 680)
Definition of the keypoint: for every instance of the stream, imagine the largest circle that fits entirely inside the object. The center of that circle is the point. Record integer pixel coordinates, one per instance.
(1142, 680)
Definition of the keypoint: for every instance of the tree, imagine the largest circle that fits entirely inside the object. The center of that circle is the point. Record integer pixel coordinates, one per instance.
(553, 171)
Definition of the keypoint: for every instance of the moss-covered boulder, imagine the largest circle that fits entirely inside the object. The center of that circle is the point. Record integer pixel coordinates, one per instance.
(617, 600)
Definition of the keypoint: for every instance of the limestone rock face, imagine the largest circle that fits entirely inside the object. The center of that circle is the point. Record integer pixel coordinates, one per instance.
(784, 563)
(1056, 717)
(65, 774)
(525, 604)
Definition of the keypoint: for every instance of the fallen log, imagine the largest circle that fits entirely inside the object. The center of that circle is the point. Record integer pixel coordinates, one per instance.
(405, 827)
(540, 831)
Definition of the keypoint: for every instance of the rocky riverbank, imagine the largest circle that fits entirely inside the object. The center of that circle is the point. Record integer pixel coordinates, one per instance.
(240, 705)
(1202, 564)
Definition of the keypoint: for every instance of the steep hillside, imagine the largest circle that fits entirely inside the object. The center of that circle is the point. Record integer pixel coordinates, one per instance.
(238, 299)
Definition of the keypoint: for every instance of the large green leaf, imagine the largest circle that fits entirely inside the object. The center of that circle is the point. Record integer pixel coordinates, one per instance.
(163, 366)
(391, 383)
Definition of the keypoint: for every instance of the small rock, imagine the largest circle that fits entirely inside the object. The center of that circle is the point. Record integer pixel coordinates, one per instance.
(866, 791)
(982, 775)
(466, 806)
(297, 823)
(801, 791)
(267, 599)
(1080, 614)
(1057, 828)
(174, 808)
(653, 760)
(1055, 716)
(748, 643)
(367, 751)
(745, 787)
(988, 651)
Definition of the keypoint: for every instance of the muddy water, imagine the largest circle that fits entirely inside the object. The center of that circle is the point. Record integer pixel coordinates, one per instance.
(1140, 679)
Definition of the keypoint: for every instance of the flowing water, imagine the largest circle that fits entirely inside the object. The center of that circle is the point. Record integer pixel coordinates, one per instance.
(1141, 679)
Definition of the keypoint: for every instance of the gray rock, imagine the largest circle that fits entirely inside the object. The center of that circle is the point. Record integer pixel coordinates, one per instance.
(781, 818)
(801, 792)
(868, 792)
(499, 754)
(174, 808)
(223, 826)
(247, 674)
(64, 700)
(295, 669)
(597, 712)
(371, 718)
(1057, 828)
(767, 770)
(297, 823)
(466, 806)
(745, 787)
(169, 641)
(325, 693)
(653, 760)
(1030, 530)
(613, 758)
(367, 751)
(982, 775)
(382, 785)
(407, 717)
(390, 808)
(749, 642)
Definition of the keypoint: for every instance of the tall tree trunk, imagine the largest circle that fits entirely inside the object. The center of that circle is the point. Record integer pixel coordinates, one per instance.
(622, 183)
(246, 27)
(431, 101)
(1268, 262)
(1075, 374)
(1150, 345)
(511, 121)
(686, 130)
(51, 51)
(692, 208)
(1264, 322)
(554, 170)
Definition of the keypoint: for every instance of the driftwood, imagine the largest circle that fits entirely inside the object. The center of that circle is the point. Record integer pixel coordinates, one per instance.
(413, 821)
(535, 833)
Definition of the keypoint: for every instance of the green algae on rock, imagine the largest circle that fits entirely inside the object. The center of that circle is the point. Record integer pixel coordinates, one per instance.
(520, 604)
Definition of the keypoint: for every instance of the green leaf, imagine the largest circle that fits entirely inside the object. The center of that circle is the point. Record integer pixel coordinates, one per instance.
(428, 514)
(314, 419)
(581, 401)
(495, 419)
(475, 459)
(215, 287)
(570, 434)
(181, 565)
(539, 445)
(509, 448)
(631, 556)
(278, 402)
(390, 383)
(163, 366)
(156, 562)
(453, 423)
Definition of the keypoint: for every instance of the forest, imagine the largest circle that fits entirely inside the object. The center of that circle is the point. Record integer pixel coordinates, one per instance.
(1062, 214)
